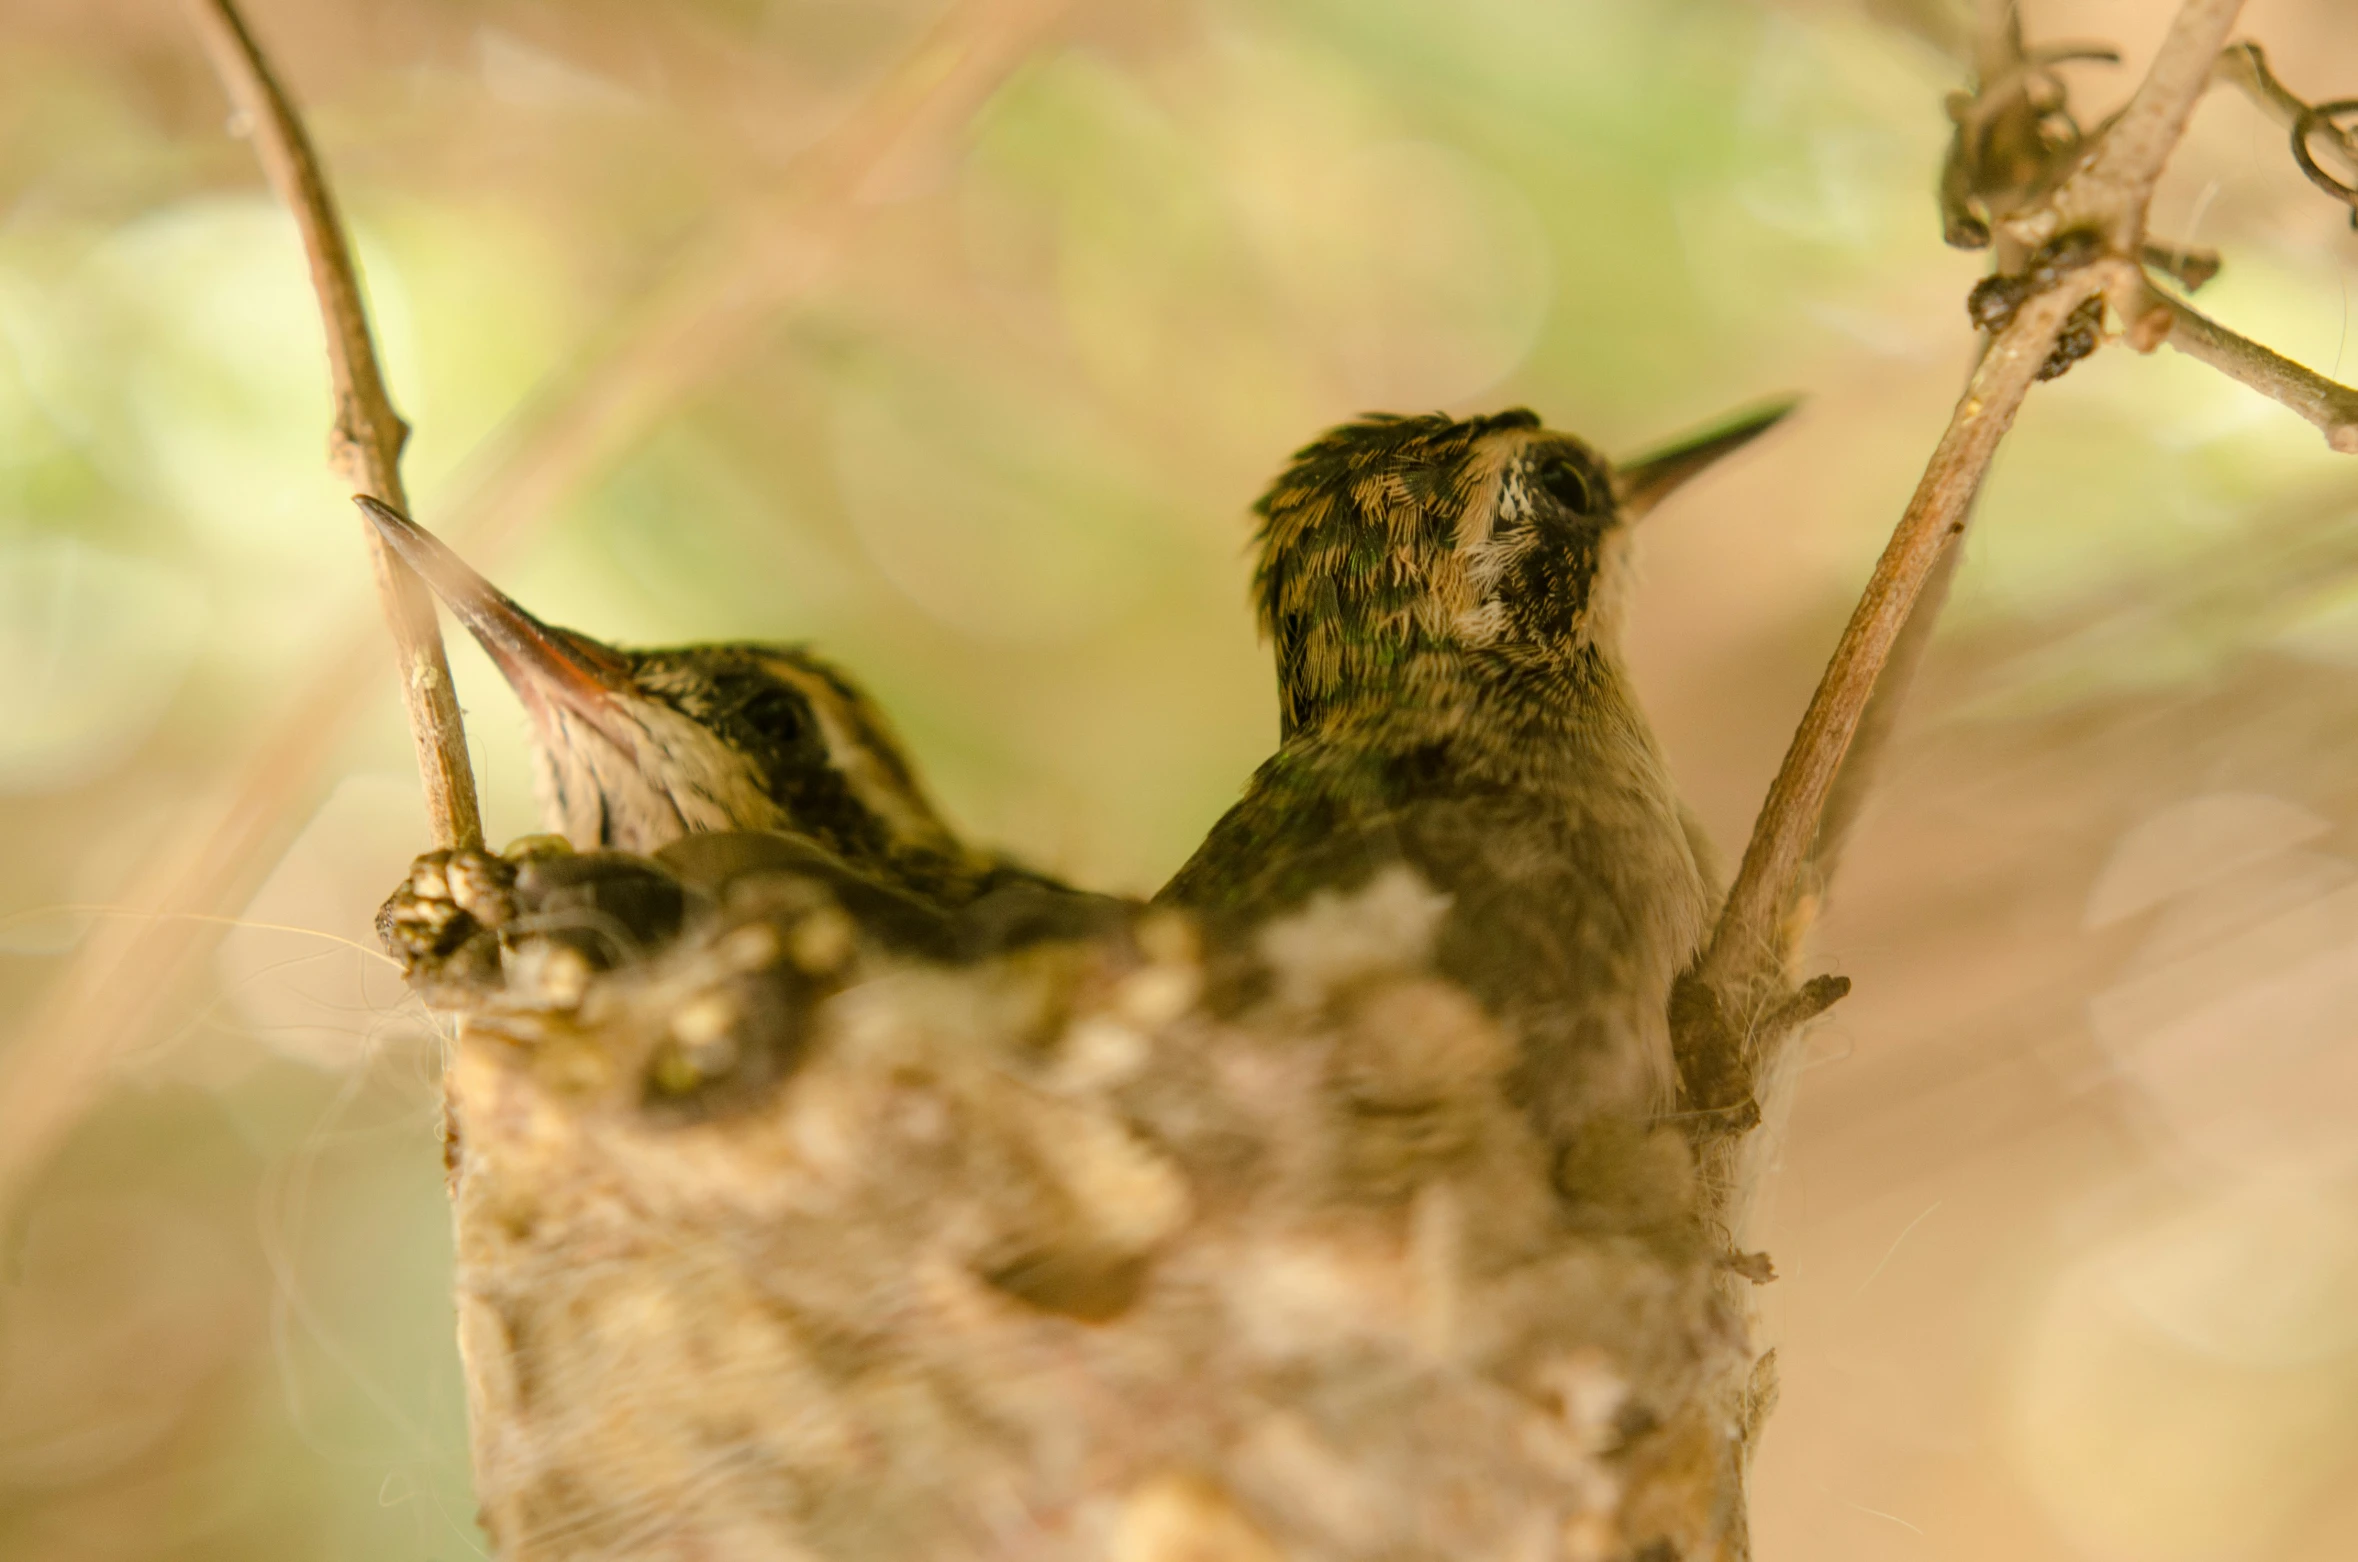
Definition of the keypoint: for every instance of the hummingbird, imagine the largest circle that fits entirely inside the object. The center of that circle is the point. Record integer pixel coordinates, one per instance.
(704, 756)
(1446, 597)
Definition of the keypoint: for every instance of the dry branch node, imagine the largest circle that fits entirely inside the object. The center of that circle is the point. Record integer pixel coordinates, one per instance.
(2015, 139)
(1997, 298)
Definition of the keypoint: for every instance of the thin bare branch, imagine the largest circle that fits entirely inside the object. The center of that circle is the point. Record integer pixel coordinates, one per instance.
(1854, 778)
(1749, 942)
(2332, 407)
(1730, 1008)
(365, 443)
(1998, 55)
(2110, 192)
(128, 971)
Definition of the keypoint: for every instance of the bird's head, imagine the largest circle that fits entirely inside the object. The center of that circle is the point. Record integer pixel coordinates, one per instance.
(634, 749)
(1396, 551)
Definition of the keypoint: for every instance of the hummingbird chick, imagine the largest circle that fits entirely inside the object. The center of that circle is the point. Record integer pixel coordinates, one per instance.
(638, 748)
(641, 750)
(1445, 598)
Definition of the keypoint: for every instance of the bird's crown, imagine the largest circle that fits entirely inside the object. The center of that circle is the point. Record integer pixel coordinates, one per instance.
(1395, 548)
(1398, 553)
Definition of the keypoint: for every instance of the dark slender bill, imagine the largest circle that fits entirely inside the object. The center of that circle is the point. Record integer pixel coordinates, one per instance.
(1642, 484)
(540, 662)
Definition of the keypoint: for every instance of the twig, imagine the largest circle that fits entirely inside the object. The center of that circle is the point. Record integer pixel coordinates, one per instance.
(2332, 407)
(2110, 192)
(2245, 65)
(1854, 778)
(1748, 943)
(125, 973)
(1732, 1009)
(2014, 139)
(1998, 55)
(365, 443)
(2008, 131)
(2191, 267)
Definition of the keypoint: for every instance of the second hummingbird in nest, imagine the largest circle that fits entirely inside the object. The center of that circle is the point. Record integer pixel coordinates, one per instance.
(1446, 600)
(705, 754)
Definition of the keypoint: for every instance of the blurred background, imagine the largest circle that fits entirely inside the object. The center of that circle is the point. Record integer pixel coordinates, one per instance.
(956, 337)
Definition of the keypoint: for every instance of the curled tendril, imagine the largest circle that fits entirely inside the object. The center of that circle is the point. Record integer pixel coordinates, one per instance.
(2326, 116)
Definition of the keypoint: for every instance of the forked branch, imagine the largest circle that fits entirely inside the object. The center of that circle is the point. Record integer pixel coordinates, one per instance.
(2109, 193)
(364, 446)
(1735, 1006)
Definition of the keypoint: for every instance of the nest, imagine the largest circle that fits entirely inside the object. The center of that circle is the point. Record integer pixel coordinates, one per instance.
(780, 1236)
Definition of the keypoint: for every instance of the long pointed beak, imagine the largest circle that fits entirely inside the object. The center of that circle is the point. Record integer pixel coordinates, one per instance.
(1644, 483)
(541, 663)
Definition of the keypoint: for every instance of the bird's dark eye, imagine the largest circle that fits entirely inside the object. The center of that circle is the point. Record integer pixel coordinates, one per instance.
(1564, 482)
(775, 713)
